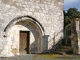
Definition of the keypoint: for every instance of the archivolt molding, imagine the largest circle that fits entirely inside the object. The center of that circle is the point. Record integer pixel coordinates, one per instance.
(22, 18)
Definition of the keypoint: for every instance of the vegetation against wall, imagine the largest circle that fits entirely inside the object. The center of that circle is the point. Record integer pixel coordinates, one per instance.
(68, 15)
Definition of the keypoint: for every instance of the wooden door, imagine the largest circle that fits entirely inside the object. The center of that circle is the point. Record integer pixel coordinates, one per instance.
(24, 42)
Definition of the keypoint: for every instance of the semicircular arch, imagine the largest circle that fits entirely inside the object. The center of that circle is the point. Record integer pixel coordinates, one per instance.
(22, 18)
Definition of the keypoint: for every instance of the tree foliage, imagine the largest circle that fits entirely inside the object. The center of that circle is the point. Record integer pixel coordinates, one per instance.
(68, 15)
(71, 13)
(66, 20)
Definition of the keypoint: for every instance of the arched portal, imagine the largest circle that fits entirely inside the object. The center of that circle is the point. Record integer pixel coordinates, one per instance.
(24, 35)
(17, 19)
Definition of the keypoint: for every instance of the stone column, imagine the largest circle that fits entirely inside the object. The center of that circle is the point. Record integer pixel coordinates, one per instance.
(39, 44)
(78, 42)
(74, 36)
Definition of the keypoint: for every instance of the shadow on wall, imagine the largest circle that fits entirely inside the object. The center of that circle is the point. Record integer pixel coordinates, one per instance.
(58, 42)
(44, 45)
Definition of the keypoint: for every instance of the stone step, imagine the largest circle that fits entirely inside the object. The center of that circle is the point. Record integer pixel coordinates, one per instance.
(61, 50)
(58, 52)
(65, 47)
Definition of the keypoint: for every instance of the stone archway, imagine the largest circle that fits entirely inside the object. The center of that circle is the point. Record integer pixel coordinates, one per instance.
(12, 32)
(17, 19)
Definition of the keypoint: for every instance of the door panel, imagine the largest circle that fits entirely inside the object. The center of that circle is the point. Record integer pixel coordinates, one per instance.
(24, 42)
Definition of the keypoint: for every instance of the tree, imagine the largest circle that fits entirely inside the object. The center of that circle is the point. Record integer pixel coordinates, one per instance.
(73, 13)
(66, 20)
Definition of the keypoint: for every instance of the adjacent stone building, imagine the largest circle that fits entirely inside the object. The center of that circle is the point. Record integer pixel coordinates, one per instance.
(29, 26)
(75, 35)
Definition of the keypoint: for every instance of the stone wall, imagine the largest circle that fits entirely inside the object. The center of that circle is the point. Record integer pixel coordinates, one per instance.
(74, 35)
(48, 12)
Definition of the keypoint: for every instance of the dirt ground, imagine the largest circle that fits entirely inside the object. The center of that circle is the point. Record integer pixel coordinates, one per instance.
(42, 57)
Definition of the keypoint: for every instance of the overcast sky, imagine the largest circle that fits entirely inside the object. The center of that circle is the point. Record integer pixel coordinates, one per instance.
(71, 4)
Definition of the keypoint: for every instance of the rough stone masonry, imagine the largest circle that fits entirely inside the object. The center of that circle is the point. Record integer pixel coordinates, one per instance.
(29, 26)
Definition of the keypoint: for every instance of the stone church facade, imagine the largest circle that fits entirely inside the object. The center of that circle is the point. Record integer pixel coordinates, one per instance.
(29, 26)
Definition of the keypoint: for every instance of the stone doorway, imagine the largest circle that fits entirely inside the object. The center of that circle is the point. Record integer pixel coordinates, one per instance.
(34, 30)
(24, 42)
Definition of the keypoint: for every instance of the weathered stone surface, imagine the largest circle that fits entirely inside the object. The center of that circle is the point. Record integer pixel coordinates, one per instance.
(75, 35)
(49, 13)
